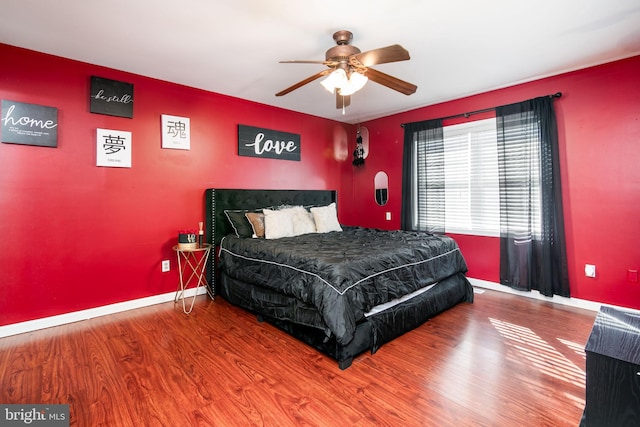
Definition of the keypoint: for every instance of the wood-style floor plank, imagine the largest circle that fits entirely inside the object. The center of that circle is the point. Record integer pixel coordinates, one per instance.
(502, 361)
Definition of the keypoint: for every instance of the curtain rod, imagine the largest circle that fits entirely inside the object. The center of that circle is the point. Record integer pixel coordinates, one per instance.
(486, 110)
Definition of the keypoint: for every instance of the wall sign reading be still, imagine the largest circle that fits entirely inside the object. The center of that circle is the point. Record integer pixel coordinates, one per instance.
(111, 97)
(271, 144)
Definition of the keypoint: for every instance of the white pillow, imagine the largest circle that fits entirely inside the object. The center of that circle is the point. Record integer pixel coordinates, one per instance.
(278, 223)
(326, 218)
(303, 222)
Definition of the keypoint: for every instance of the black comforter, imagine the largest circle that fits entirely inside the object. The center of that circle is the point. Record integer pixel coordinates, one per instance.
(343, 274)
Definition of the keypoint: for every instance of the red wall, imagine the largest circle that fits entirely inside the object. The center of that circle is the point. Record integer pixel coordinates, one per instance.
(77, 236)
(599, 131)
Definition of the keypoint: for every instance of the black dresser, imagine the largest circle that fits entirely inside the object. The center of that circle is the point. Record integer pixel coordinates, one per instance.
(613, 370)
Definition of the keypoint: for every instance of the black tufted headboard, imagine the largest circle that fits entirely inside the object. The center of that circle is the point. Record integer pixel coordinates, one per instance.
(218, 200)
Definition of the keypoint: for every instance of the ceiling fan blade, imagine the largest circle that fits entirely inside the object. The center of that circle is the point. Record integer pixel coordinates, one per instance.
(342, 101)
(295, 61)
(304, 82)
(384, 55)
(330, 64)
(390, 81)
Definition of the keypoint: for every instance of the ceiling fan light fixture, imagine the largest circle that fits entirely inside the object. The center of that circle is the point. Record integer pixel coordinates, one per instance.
(336, 80)
(355, 83)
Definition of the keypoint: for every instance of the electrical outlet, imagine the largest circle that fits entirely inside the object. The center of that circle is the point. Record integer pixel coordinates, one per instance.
(590, 270)
(166, 265)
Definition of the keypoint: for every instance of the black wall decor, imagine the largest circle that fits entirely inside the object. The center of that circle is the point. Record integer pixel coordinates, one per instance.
(29, 124)
(111, 97)
(358, 153)
(271, 144)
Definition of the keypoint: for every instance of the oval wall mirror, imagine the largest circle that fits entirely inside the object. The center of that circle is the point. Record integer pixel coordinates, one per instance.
(381, 185)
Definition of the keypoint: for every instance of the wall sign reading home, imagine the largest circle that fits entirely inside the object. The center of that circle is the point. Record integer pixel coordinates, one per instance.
(29, 124)
(111, 97)
(271, 144)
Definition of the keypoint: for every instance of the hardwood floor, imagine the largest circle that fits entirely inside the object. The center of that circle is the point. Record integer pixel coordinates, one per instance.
(502, 361)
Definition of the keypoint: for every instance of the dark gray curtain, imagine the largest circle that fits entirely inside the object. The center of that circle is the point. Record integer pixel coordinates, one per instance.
(422, 176)
(532, 256)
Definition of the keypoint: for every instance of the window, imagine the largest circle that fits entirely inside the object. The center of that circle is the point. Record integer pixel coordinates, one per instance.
(520, 174)
(497, 178)
(469, 177)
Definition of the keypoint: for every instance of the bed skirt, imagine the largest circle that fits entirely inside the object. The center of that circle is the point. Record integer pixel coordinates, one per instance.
(304, 322)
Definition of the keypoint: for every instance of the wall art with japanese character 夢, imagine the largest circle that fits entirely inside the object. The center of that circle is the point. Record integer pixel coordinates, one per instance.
(113, 148)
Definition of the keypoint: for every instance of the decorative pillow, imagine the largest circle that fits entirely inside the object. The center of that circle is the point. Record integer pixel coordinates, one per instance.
(326, 218)
(239, 222)
(256, 219)
(278, 223)
(303, 222)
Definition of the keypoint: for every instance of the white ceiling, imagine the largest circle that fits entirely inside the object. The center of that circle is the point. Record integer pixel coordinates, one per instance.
(457, 47)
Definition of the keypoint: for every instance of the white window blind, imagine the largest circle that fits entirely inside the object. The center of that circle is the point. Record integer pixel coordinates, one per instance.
(472, 204)
(458, 185)
(460, 189)
(521, 194)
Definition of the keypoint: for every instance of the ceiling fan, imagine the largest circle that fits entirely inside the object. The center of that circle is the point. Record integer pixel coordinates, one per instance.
(349, 69)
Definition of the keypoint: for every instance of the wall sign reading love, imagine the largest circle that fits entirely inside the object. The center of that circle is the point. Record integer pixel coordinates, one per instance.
(271, 144)
(111, 97)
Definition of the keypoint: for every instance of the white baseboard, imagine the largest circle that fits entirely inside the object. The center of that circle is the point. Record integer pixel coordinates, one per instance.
(76, 316)
(573, 302)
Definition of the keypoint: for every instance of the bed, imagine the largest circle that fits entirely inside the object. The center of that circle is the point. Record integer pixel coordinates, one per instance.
(343, 290)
